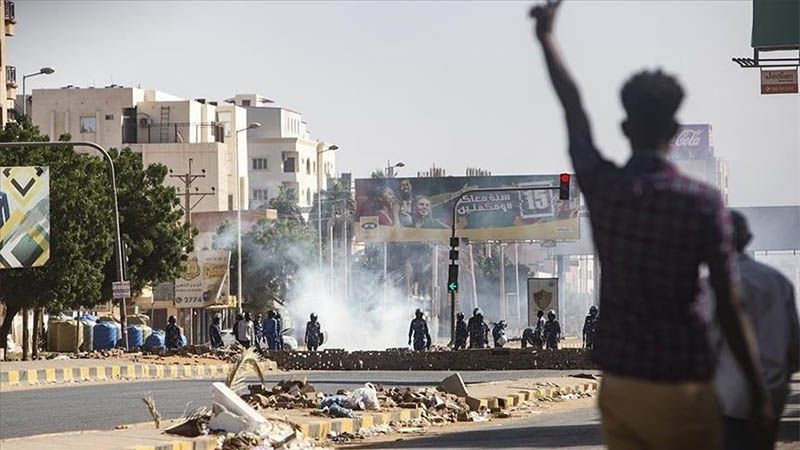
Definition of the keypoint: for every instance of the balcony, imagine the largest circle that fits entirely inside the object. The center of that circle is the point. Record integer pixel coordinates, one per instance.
(172, 133)
(11, 77)
(11, 17)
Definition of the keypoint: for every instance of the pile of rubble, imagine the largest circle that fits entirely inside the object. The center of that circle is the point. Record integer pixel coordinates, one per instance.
(437, 407)
(287, 394)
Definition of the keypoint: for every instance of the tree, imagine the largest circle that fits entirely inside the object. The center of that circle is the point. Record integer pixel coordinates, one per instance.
(81, 229)
(286, 205)
(338, 209)
(274, 251)
(153, 236)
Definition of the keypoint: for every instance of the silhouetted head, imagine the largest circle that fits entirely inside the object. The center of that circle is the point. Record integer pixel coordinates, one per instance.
(551, 315)
(247, 316)
(239, 317)
(502, 324)
(418, 313)
(172, 319)
(259, 316)
(540, 314)
(476, 311)
(593, 310)
(459, 316)
(651, 99)
(271, 314)
(741, 231)
(313, 317)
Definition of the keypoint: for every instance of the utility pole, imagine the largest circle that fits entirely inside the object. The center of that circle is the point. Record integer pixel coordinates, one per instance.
(188, 180)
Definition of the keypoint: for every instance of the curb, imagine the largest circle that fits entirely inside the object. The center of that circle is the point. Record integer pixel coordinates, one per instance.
(136, 371)
(206, 443)
(528, 394)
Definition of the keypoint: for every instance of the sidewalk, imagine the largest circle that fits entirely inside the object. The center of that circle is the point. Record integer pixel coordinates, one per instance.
(35, 373)
(144, 437)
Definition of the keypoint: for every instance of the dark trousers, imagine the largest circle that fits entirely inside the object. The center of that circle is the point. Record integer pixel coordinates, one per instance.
(736, 432)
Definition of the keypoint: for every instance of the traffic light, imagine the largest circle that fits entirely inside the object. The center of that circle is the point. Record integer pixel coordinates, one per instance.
(563, 189)
(452, 278)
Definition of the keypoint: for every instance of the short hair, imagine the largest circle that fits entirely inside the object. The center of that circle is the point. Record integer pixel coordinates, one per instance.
(741, 231)
(651, 99)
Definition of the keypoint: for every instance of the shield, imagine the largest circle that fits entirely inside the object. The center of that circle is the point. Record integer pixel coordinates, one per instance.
(543, 299)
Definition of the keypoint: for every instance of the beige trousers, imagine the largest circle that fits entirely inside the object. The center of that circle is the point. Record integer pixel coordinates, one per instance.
(645, 415)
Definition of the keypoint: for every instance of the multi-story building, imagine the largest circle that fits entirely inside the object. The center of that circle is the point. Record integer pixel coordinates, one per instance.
(281, 152)
(8, 74)
(163, 128)
(692, 150)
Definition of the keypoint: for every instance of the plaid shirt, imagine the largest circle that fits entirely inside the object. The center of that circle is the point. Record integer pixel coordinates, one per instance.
(652, 228)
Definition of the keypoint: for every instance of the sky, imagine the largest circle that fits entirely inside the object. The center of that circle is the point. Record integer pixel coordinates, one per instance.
(451, 84)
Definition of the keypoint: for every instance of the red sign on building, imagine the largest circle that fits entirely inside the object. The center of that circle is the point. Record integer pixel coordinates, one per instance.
(779, 81)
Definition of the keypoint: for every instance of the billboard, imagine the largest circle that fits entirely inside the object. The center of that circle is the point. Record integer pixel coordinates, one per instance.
(692, 142)
(204, 279)
(24, 217)
(542, 296)
(420, 209)
(776, 24)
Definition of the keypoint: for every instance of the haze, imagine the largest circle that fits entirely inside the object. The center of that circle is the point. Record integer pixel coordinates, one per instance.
(452, 84)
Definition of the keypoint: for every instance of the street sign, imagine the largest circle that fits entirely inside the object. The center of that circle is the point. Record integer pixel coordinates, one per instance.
(121, 289)
(779, 81)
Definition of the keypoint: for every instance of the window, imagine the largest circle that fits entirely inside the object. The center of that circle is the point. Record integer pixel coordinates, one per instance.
(289, 162)
(308, 166)
(308, 196)
(109, 117)
(245, 103)
(88, 124)
(225, 118)
(260, 195)
(260, 164)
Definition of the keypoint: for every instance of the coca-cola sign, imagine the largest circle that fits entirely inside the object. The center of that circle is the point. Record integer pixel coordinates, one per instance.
(692, 137)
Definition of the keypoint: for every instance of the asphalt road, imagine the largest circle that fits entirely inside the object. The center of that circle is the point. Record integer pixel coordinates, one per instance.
(576, 428)
(104, 406)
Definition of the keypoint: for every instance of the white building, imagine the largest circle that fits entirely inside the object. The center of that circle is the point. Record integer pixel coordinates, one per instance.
(163, 128)
(282, 153)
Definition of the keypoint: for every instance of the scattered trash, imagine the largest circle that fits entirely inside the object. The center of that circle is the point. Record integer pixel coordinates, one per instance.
(364, 398)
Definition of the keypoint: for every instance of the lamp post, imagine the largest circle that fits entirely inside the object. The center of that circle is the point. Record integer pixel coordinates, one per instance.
(331, 148)
(390, 173)
(239, 293)
(42, 71)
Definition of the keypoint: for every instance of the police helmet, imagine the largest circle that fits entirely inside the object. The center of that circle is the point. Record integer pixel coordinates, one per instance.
(551, 314)
(593, 310)
(313, 317)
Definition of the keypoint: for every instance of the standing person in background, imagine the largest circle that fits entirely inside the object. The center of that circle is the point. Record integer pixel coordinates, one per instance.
(589, 327)
(652, 228)
(768, 298)
(418, 331)
(279, 324)
(499, 334)
(479, 332)
(461, 332)
(172, 335)
(215, 331)
(313, 333)
(271, 331)
(246, 330)
(470, 325)
(235, 329)
(258, 330)
(538, 331)
(552, 331)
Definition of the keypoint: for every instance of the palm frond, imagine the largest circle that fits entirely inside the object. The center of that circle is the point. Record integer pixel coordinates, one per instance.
(242, 368)
(151, 406)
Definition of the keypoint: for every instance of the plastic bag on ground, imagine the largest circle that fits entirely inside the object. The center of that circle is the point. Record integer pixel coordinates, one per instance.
(364, 398)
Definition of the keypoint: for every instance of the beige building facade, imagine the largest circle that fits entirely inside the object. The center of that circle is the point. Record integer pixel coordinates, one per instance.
(161, 127)
(8, 73)
(282, 153)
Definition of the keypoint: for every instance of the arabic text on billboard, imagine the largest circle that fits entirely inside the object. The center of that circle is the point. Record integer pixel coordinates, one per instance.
(24, 217)
(420, 209)
(204, 280)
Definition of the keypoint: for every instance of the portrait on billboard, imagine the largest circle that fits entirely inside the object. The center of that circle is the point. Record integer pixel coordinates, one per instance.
(421, 209)
(24, 217)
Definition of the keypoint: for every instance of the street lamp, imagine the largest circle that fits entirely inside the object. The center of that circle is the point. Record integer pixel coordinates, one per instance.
(331, 148)
(42, 71)
(250, 126)
(390, 168)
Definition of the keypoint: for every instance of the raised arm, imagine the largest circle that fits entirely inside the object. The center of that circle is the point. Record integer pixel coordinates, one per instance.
(585, 156)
